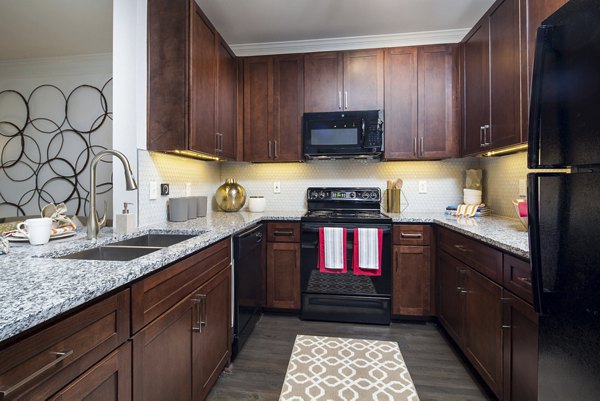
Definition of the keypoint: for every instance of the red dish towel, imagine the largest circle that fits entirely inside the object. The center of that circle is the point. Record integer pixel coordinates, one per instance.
(332, 250)
(367, 251)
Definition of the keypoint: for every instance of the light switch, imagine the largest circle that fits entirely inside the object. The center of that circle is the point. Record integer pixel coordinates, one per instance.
(276, 187)
(422, 187)
(153, 190)
(188, 189)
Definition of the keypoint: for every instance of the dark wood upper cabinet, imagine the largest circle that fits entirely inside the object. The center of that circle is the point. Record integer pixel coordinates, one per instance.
(493, 96)
(421, 97)
(192, 78)
(401, 106)
(497, 66)
(337, 81)
(273, 107)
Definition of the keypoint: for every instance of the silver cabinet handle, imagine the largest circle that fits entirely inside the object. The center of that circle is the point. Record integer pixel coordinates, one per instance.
(270, 152)
(203, 319)
(487, 142)
(415, 146)
(481, 144)
(411, 235)
(276, 147)
(346, 100)
(61, 356)
(197, 326)
(421, 145)
(340, 100)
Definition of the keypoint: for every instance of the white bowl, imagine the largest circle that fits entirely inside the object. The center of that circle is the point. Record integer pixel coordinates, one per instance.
(473, 192)
(257, 204)
(524, 220)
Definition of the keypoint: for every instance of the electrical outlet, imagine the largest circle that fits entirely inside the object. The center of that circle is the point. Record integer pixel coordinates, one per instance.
(422, 187)
(522, 187)
(164, 189)
(153, 190)
(188, 189)
(276, 187)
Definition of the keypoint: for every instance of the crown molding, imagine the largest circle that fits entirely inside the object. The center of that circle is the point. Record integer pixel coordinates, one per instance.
(350, 43)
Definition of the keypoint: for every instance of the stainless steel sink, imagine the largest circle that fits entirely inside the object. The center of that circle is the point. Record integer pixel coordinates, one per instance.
(130, 249)
(154, 240)
(117, 253)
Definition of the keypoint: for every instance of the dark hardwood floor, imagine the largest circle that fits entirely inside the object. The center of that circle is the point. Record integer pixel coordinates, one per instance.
(259, 370)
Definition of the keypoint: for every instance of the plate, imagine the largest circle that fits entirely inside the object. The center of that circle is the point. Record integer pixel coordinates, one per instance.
(21, 238)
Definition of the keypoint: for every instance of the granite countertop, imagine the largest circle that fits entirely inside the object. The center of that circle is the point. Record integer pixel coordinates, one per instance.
(35, 287)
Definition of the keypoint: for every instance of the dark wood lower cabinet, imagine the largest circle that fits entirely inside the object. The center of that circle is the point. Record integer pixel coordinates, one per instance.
(483, 332)
(451, 293)
(213, 346)
(411, 285)
(179, 355)
(520, 337)
(283, 275)
(108, 380)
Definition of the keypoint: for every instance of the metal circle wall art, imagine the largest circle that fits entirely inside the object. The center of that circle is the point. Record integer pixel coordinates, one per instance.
(47, 141)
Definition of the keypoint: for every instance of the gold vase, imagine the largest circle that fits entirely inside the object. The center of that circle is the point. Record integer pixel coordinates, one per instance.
(230, 196)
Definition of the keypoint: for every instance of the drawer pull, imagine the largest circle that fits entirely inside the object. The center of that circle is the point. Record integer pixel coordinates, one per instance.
(197, 326)
(203, 315)
(283, 233)
(411, 235)
(505, 326)
(60, 356)
(525, 280)
(461, 248)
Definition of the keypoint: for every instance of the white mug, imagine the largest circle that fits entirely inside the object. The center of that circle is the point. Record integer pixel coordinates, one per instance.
(37, 230)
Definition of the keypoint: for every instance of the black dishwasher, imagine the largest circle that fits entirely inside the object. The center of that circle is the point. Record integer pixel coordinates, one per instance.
(249, 266)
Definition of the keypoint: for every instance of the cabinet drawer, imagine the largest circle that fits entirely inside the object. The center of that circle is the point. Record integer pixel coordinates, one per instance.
(517, 277)
(412, 235)
(486, 260)
(38, 366)
(283, 232)
(156, 294)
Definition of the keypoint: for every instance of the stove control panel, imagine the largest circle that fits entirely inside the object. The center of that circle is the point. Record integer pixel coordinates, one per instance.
(344, 194)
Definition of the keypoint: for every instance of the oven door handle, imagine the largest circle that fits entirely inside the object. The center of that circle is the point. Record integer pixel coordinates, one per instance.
(315, 229)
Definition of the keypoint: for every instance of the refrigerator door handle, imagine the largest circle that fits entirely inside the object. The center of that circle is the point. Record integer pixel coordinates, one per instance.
(537, 283)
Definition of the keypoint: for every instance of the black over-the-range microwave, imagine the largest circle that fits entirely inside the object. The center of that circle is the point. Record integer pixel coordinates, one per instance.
(343, 135)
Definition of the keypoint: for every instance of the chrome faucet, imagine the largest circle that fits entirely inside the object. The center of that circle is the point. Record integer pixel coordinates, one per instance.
(95, 223)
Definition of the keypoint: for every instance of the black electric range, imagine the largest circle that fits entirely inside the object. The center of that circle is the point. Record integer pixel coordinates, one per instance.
(344, 297)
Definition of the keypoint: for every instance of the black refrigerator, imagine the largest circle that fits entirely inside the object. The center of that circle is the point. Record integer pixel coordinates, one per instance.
(564, 208)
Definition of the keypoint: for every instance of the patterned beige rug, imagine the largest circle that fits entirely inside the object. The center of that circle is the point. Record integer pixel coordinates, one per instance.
(345, 369)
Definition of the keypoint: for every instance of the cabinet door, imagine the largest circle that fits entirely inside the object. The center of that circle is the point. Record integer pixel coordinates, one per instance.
(323, 85)
(226, 101)
(450, 276)
(283, 275)
(483, 332)
(363, 80)
(401, 103)
(108, 380)
(212, 340)
(520, 337)
(412, 281)
(533, 12)
(505, 85)
(288, 107)
(438, 102)
(202, 83)
(162, 355)
(476, 88)
(258, 98)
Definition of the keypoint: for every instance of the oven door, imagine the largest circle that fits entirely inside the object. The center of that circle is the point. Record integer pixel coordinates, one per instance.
(344, 297)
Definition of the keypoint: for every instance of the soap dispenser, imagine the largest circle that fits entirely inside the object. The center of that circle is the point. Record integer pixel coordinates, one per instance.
(125, 222)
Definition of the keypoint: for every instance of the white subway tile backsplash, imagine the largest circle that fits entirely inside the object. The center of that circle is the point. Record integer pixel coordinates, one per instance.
(203, 176)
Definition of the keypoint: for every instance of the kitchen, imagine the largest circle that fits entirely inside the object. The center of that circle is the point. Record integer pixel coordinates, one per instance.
(430, 185)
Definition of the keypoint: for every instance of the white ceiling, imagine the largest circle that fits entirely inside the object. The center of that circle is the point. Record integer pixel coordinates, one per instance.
(265, 21)
(50, 28)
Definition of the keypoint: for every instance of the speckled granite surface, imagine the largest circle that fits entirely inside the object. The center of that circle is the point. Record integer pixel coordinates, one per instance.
(35, 287)
(504, 233)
